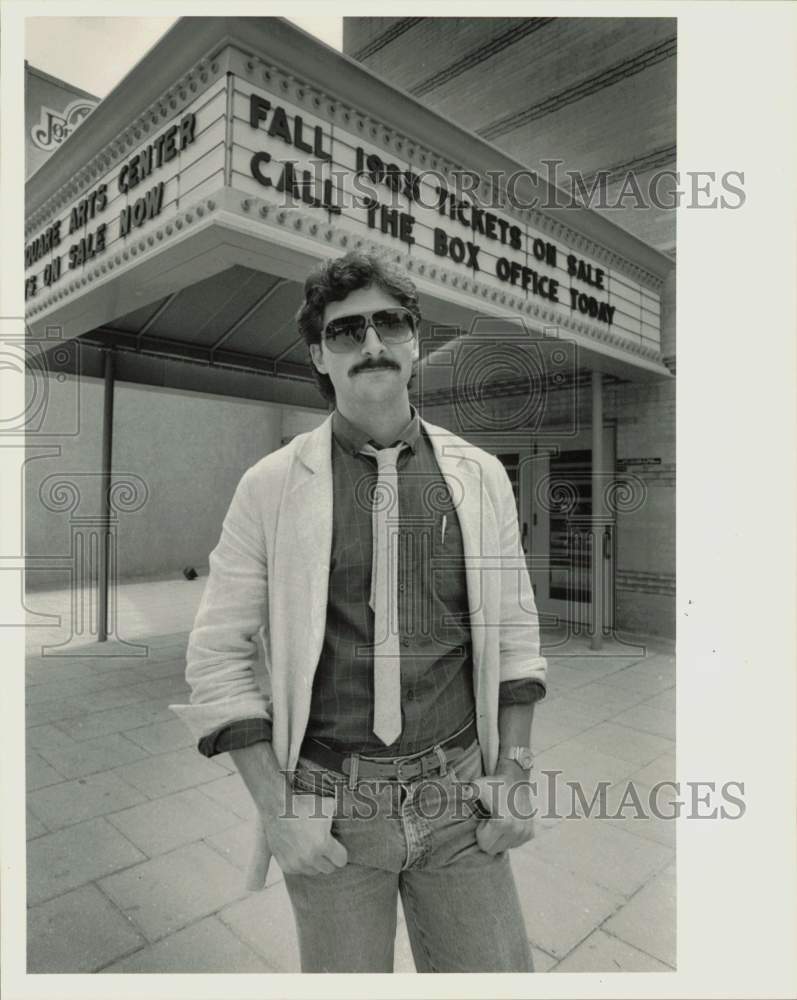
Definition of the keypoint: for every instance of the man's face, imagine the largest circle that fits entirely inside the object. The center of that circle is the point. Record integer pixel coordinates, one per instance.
(371, 374)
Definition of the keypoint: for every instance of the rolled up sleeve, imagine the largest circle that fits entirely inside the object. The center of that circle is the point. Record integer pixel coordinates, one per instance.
(520, 692)
(223, 647)
(236, 736)
(520, 657)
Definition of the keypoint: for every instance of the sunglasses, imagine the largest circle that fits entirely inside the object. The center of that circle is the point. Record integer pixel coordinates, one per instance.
(393, 326)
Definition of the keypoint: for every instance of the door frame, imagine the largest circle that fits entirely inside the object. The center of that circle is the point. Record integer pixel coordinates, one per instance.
(534, 521)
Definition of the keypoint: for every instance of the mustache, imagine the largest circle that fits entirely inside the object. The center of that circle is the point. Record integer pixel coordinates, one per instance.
(374, 367)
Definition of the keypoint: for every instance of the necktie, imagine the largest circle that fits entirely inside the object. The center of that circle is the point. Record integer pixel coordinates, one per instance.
(384, 594)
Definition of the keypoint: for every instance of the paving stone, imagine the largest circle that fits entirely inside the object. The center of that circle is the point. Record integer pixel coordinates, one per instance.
(610, 696)
(660, 769)
(647, 921)
(564, 678)
(601, 853)
(53, 711)
(403, 961)
(162, 736)
(647, 682)
(566, 710)
(207, 946)
(224, 760)
(116, 697)
(175, 889)
(649, 720)
(79, 854)
(130, 667)
(160, 826)
(231, 792)
(628, 744)
(80, 931)
(659, 662)
(548, 732)
(593, 667)
(235, 844)
(115, 720)
(264, 921)
(91, 756)
(559, 909)
(165, 668)
(579, 764)
(172, 651)
(38, 772)
(94, 658)
(602, 952)
(543, 962)
(156, 642)
(577, 646)
(48, 665)
(652, 819)
(47, 735)
(81, 687)
(170, 772)
(73, 801)
(175, 687)
(40, 673)
(55, 690)
(33, 826)
(664, 702)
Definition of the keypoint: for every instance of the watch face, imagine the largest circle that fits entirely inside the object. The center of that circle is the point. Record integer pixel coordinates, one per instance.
(525, 758)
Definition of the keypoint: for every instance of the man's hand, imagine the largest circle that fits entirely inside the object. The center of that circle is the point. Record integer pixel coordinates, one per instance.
(297, 827)
(301, 839)
(509, 800)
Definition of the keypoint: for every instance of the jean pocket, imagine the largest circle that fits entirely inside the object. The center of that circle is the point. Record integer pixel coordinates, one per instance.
(468, 765)
(462, 773)
(315, 781)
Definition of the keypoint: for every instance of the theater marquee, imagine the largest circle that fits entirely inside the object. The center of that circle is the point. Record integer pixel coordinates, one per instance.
(265, 152)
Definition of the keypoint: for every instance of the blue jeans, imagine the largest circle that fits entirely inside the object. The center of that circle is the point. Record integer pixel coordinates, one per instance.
(418, 839)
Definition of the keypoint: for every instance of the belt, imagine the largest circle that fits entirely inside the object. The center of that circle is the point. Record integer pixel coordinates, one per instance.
(407, 768)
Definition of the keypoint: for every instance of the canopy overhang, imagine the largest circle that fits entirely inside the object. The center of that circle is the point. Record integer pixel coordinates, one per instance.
(177, 224)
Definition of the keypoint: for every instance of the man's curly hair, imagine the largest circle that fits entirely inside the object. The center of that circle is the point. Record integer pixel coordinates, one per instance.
(334, 279)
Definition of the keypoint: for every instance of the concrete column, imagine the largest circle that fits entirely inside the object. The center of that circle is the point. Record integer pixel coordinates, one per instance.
(598, 527)
(105, 498)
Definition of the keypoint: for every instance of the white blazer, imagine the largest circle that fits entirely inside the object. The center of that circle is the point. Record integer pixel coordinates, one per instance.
(269, 576)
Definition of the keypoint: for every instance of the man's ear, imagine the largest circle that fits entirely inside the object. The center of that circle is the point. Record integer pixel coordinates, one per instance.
(317, 356)
(416, 351)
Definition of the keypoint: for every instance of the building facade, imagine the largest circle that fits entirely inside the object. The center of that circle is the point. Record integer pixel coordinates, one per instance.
(166, 244)
(53, 110)
(594, 98)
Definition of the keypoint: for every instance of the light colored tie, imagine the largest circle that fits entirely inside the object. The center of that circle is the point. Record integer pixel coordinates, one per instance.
(384, 594)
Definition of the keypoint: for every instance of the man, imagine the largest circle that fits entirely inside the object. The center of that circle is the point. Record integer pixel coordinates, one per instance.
(378, 558)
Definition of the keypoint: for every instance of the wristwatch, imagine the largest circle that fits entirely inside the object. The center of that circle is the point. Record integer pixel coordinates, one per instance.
(520, 755)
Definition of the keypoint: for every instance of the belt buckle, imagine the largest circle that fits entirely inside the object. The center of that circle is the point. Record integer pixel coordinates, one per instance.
(399, 763)
(430, 764)
(425, 762)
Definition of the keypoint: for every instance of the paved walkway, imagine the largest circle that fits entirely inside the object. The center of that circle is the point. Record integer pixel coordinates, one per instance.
(137, 844)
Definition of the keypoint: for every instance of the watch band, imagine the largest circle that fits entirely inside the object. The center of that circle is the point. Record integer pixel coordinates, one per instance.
(521, 755)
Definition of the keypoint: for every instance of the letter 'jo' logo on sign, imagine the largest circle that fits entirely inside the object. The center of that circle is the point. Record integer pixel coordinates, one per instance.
(55, 126)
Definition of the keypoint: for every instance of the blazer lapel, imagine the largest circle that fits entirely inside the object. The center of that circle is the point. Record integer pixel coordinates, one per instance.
(303, 547)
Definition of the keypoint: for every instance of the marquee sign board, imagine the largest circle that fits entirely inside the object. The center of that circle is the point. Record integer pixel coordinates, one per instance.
(285, 155)
(180, 161)
(255, 142)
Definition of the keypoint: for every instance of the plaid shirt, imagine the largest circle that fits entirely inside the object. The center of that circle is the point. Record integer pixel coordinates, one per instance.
(436, 665)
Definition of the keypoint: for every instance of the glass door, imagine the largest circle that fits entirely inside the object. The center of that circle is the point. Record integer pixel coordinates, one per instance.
(564, 533)
(552, 483)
